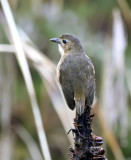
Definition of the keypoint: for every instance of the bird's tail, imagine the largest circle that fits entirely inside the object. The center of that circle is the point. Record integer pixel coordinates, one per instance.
(80, 106)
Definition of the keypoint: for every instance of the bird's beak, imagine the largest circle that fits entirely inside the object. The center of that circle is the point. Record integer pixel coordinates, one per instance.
(56, 40)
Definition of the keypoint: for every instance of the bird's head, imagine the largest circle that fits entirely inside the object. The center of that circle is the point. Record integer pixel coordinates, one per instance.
(68, 44)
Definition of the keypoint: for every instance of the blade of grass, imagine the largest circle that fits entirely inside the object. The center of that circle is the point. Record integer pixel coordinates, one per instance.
(126, 11)
(30, 143)
(6, 48)
(119, 45)
(27, 77)
(128, 80)
(7, 79)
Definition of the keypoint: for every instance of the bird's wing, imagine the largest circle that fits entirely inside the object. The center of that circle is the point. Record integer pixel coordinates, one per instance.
(90, 85)
(67, 87)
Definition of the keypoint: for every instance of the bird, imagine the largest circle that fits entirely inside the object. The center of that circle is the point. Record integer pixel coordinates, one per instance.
(75, 73)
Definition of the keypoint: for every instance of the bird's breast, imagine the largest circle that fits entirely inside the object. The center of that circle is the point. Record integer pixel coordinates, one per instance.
(71, 68)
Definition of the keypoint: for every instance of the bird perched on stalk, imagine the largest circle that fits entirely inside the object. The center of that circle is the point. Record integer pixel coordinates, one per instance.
(75, 73)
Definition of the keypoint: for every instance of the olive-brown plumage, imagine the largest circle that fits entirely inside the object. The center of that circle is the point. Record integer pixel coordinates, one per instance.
(75, 73)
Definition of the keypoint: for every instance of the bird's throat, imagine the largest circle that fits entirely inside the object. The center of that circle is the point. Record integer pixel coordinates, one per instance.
(61, 50)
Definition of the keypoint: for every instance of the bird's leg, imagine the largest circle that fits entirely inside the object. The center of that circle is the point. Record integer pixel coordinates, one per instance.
(72, 129)
(76, 131)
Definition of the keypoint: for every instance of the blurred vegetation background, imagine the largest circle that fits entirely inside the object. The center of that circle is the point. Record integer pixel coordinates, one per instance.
(104, 28)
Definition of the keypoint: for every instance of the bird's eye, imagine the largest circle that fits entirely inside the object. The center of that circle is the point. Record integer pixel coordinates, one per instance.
(64, 41)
